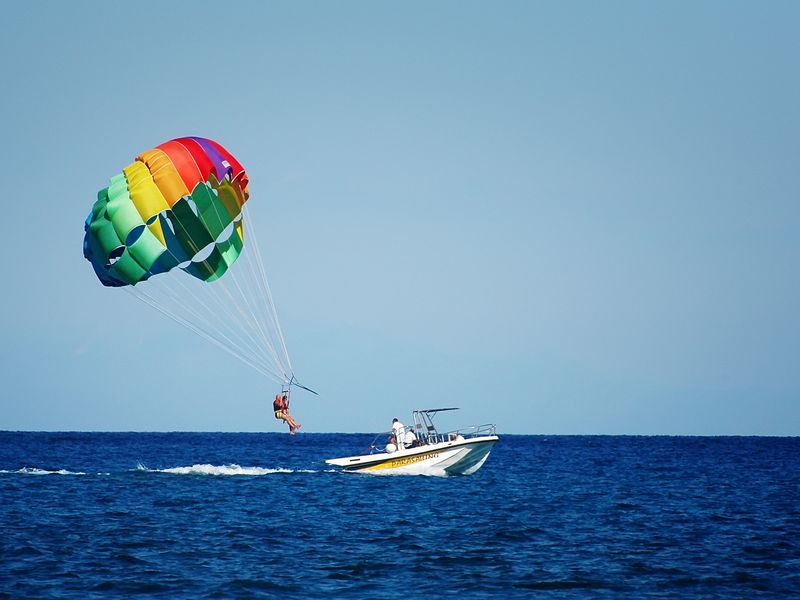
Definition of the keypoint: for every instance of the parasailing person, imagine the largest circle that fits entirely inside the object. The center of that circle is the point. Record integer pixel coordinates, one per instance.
(281, 407)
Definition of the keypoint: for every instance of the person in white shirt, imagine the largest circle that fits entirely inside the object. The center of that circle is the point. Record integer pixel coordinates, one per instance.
(410, 440)
(398, 430)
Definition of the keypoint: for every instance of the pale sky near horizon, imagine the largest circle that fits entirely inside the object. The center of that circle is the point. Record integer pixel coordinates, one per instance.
(563, 217)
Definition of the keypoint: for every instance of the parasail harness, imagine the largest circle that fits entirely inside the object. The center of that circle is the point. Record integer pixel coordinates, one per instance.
(286, 392)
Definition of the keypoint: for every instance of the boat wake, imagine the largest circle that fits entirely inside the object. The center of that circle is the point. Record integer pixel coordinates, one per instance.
(221, 470)
(36, 471)
(204, 469)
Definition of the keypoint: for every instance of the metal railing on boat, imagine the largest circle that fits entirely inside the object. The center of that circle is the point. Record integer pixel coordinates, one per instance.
(465, 433)
(432, 436)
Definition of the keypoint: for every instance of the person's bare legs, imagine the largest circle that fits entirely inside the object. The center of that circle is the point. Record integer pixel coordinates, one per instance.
(293, 425)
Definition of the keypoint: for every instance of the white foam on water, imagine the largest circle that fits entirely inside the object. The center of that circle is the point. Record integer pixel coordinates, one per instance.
(35, 471)
(232, 469)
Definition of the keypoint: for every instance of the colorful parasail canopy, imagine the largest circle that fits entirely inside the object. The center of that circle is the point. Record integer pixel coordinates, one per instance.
(178, 205)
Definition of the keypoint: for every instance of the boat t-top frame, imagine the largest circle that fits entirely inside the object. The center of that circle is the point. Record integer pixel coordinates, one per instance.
(427, 433)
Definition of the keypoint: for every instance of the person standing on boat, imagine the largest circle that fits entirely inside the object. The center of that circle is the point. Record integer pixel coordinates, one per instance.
(398, 430)
(281, 408)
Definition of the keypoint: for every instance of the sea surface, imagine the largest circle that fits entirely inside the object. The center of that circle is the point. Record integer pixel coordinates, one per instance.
(225, 515)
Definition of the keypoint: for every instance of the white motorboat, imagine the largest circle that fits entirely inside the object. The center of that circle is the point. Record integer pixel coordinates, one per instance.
(457, 452)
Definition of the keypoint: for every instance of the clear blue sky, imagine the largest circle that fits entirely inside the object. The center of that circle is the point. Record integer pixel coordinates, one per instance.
(566, 217)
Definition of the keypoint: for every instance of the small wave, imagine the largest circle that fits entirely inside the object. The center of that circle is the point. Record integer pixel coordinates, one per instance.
(36, 471)
(232, 469)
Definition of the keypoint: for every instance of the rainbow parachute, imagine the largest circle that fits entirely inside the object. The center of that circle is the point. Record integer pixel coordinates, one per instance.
(178, 205)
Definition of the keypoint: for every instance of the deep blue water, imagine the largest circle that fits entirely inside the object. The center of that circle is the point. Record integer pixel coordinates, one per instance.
(152, 515)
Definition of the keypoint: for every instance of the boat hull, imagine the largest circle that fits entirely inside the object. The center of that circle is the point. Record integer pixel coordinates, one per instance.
(458, 457)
